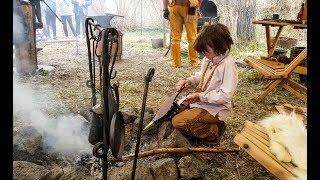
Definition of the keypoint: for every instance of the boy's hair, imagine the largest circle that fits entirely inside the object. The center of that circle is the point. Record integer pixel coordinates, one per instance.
(217, 36)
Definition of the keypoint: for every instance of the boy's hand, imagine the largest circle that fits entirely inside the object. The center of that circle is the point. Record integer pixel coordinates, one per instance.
(183, 84)
(193, 97)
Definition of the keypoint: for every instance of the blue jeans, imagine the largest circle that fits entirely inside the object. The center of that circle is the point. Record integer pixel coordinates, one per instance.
(65, 29)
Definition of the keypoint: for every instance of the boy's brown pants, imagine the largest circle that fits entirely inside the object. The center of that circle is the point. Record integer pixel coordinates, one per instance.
(198, 123)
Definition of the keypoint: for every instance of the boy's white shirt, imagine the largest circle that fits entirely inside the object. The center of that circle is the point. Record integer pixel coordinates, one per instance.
(216, 97)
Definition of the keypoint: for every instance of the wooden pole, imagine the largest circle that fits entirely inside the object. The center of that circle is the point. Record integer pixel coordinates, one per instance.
(174, 151)
(27, 54)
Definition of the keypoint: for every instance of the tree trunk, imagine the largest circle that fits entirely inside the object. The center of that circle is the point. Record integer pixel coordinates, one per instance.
(246, 14)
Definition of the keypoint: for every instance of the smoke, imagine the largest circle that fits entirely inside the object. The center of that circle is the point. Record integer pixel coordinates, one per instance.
(19, 31)
(63, 133)
(38, 107)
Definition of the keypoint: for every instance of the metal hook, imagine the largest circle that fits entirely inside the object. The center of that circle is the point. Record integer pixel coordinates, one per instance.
(113, 74)
(116, 84)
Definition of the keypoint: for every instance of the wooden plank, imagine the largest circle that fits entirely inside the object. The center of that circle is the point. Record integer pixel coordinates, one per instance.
(274, 84)
(294, 92)
(275, 41)
(266, 22)
(256, 66)
(268, 37)
(266, 86)
(27, 51)
(281, 109)
(265, 148)
(257, 134)
(290, 108)
(259, 155)
(262, 131)
(297, 85)
(273, 64)
(265, 67)
(300, 70)
(256, 126)
(278, 65)
(295, 62)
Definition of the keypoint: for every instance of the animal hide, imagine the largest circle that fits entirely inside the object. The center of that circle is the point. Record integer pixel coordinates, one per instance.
(288, 140)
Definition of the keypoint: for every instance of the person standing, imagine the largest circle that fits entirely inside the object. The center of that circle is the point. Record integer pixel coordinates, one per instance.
(50, 18)
(80, 9)
(179, 13)
(65, 8)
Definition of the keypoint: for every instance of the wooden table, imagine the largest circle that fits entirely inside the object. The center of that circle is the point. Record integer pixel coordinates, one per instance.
(271, 46)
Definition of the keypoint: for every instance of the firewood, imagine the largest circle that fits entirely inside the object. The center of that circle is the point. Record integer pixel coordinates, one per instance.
(175, 151)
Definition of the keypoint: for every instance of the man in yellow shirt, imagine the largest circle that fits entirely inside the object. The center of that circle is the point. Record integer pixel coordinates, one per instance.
(180, 12)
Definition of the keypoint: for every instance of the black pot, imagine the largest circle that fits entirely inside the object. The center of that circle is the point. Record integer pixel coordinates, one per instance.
(279, 52)
(275, 16)
(295, 51)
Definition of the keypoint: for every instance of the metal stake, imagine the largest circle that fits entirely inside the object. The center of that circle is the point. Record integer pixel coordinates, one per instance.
(148, 78)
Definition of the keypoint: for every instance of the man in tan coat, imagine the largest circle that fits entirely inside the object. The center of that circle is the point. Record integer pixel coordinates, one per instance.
(179, 13)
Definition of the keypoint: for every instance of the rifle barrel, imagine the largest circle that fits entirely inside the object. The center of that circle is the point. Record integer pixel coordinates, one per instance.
(53, 12)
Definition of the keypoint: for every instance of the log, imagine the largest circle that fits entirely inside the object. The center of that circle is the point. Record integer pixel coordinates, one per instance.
(27, 51)
(174, 151)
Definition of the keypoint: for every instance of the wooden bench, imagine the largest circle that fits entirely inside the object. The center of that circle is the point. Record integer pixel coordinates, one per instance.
(279, 74)
(278, 65)
(254, 140)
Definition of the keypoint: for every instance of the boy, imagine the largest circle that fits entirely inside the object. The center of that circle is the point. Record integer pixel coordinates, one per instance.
(215, 85)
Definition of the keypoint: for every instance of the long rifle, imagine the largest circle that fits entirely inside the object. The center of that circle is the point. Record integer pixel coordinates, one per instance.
(53, 12)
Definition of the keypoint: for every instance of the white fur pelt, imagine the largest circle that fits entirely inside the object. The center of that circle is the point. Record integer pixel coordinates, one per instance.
(288, 140)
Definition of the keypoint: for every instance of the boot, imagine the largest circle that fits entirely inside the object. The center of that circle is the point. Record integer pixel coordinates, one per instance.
(221, 129)
(215, 139)
(95, 133)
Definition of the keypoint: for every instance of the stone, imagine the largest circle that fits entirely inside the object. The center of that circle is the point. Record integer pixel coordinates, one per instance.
(157, 43)
(27, 139)
(165, 130)
(152, 145)
(129, 115)
(55, 172)
(28, 170)
(124, 173)
(85, 112)
(27, 145)
(164, 169)
(75, 173)
(146, 120)
(129, 136)
(46, 68)
(191, 167)
(149, 110)
(175, 139)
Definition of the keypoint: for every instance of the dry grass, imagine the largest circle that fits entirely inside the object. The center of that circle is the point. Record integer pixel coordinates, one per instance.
(68, 82)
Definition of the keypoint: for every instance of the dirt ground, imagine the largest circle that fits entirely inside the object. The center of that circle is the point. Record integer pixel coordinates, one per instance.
(68, 82)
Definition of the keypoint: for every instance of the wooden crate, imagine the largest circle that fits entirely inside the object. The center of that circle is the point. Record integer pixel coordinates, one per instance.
(254, 140)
